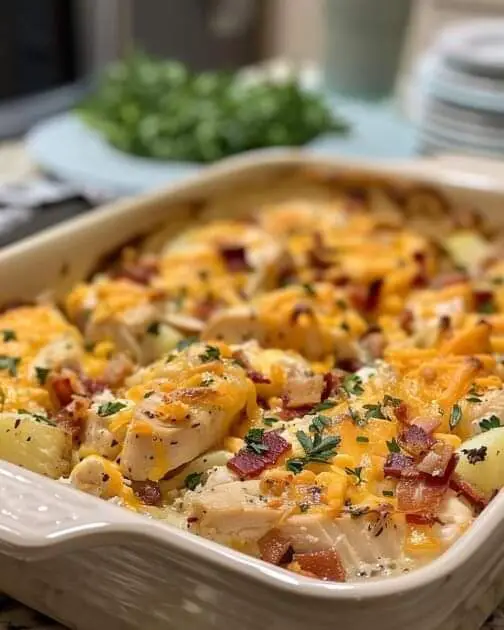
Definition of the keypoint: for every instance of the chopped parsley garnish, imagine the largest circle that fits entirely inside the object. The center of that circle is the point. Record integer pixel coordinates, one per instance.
(42, 374)
(352, 385)
(9, 363)
(269, 421)
(38, 417)
(309, 288)
(475, 455)
(362, 438)
(344, 326)
(355, 472)
(110, 408)
(388, 493)
(356, 418)
(295, 465)
(474, 395)
(9, 335)
(304, 507)
(206, 381)
(393, 446)
(490, 423)
(319, 423)
(497, 280)
(3, 398)
(192, 481)
(185, 343)
(153, 329)
(374, 411)
(341, 304)
(319, 449)
(455, 416)
(390, 400)
(211, 354)
(149, 393)
(323, 406)
(254, 441)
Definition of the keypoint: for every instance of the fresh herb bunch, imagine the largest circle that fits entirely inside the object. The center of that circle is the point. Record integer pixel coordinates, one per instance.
(159, 109)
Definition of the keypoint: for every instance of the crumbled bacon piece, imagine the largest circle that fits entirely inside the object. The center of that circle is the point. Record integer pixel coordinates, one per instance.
(402, 412)
(399, 465)
(482, 298)
(277, 446)
(332, 382)
(301, 309)
(235, 257)
(62, 388)
(374, 342)
(349, 364)
(469, 492)
(275, 548)
(253, 374)
(406, 320)
(421, 519)
(419, 495)
(438, 461)
(302, 391)
(325, 565)
(205, 308)
(248, 464)
(71, 417)
(415, 440)
(448, 279)
(428, 424)
(373, 295)
(149, 492)
(320, 256)
(93, 385)
(140, 272)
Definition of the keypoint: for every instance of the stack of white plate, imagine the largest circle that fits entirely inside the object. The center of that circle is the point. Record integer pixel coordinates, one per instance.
(461, 91)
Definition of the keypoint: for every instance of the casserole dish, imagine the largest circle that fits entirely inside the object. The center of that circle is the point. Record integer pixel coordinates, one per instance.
(90, 564)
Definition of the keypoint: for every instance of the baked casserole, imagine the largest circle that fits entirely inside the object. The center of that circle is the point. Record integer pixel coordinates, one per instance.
(313, 383)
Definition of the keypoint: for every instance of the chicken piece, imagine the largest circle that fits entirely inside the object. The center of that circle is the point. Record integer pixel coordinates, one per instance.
(231, 511)
(188, 405)
(271, 369)
(227, 510)
(492, 404)
(308, 320)
(360, 542)
(97, 476)
(64, 351)
(97, 435)
(129, 315)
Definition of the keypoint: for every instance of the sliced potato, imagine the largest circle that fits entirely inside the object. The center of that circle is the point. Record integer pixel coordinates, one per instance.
(468, 249)
(35, 445)
(155, 346)
(482, 461)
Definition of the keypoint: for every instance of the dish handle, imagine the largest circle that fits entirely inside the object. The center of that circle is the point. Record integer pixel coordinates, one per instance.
(40, 517)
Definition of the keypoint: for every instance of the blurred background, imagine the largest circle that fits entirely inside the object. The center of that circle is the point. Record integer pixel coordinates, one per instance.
(339, 77)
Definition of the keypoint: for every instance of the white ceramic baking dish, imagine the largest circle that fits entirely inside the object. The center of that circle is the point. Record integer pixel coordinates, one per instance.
(93, 565)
